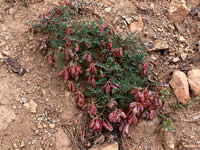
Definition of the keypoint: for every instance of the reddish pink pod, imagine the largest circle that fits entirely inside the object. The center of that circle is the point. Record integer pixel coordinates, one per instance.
(107, 126)
(50, 60)
(144, 69)
(111, 104)
(81, 103)
(76, 48)
(101, 74)
(92, 110)
(79, 95)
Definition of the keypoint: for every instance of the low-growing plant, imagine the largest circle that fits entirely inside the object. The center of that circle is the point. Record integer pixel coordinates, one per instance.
(167, 123)
(109, 69)
(165, 93)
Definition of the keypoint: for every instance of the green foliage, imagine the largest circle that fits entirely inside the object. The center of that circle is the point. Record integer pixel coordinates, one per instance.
(165, 93)
(167, 123)
(119, 59)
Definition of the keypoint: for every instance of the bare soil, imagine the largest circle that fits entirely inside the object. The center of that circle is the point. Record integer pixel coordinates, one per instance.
(37, 112)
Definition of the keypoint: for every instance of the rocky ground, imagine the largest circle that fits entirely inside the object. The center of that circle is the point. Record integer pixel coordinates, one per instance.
(37, 113)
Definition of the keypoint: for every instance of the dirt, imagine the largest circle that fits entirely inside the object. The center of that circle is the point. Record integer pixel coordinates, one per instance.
(37, 112)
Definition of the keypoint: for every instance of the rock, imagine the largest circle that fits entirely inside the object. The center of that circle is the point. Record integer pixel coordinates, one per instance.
(32, 106)
(6, 117)
(112, 146)
(179, 83)
(137, 26)
(107, 10)
(2, 43)
(194, 80)
(1, 57)
(62, 140)
(177, 10)
(52, 125)
(176, 59)
(169, 141)
(128, 19)
(144, 128)
(6, 53)
(182, 39)
(159, 45)
(183, 56)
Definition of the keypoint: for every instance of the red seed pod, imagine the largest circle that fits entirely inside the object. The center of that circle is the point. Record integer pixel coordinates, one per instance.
(137, 97)
(120, 52)
(71, 86)
(107, 126)
(50, 60)
(98, 125)
(79, 95)
(116, 116)
(92, 110)
(87, 57)
(89, 79)
(69, 54)
(94, 70)
(101, 74)
(103, 44)
(145, 115)
(95, 125)
(134, 91)
(122, 114)
(65, 74)
(115, 85)
(108, 89)
(102, 28)
(67, 31)
(92, 123)
(144, 69)
(81, 103)
(111, 104)
(68, 43)
(93, 82)
(88, 70)
(132, 119)
(67, 2)
(125, 130)
(121, 127)
(76, 48)
(152, 114)
(109, 45)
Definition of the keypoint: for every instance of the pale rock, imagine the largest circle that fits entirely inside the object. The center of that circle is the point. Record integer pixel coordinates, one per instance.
(128, 19)
(181, 39)
(144, 128)
(176, 59)
(1, 57)
(169, 141)
(32, 106)
(155, 55)
(194, 80)
(177, 10)
(107, 10)
(2, 43)
(160, 45)
(6, 117)
(6, 52)
(183, 56)
(137, 26)
(179, 83)
(52, 125)
(112, 146)
(62, 140)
